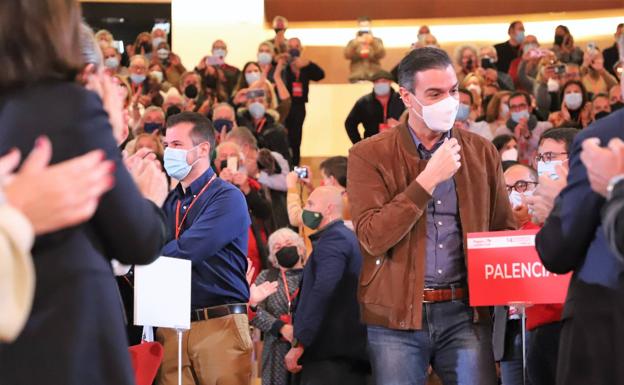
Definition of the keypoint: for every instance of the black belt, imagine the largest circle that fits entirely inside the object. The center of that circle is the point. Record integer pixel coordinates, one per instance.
(217, 312)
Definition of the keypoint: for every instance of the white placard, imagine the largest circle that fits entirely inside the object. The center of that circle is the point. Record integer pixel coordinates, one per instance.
(162, 293)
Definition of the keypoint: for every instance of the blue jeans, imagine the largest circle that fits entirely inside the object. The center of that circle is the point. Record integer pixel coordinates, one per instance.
(459, 350)
(511, 364)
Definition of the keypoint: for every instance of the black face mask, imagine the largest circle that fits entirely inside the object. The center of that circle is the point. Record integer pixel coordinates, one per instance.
(558, 39)
(172, 110)
(288, 256)
(191, 91)
(616, 106)
(601, 115)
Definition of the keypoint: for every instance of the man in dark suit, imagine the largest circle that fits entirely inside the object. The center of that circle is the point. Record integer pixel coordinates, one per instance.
(611, 55)
(329, 338)
(605, 170)
(573, 239)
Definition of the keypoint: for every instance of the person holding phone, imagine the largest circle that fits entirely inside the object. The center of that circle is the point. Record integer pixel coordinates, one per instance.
(564, 46)
(364, 52)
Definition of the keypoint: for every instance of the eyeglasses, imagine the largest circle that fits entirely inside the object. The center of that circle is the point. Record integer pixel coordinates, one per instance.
(548, 156)
(521, 186)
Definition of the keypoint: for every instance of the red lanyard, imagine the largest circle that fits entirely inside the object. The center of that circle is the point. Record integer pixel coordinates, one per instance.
(261, 125)
(385, 109)
(287, 290)
(179, 224)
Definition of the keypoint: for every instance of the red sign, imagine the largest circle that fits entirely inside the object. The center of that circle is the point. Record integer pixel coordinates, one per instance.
(504, 268)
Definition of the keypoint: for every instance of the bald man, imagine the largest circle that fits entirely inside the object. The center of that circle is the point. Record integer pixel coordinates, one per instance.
(330, 342)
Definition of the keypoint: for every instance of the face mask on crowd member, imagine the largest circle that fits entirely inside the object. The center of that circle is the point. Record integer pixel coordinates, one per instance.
(256, 102)
(111, 58)
(183, 152)
(521, 181)
(153, 120)
(288, 256)
(219, 49)
(322, 207)
(138, 70)
(600, 106)
(265, 54)
(223, 118)
(519, 108)
(191, 84)
(382, 87)
(433, 96)
(573, 100)
(550, 154)
(516, 32)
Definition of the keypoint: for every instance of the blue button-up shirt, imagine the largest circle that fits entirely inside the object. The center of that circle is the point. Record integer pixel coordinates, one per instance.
(213, 237)
(445, 263)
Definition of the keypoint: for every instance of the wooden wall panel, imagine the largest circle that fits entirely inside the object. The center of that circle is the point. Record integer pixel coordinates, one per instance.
(333, 10)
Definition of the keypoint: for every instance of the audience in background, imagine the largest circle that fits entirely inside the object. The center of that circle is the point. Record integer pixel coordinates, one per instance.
(512, 94)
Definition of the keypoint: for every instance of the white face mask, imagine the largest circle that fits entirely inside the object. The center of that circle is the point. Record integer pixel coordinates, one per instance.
(515, 198)
(511, 154)
(553, 85)
(439, 116)
(573, 100)
(475, 88)
(548, 168)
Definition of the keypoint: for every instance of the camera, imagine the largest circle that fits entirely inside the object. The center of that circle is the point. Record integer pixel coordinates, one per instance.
(256, 93)
(302, 172)
(487, 62)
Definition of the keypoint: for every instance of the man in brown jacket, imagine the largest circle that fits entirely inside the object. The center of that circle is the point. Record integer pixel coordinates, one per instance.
(415, 192)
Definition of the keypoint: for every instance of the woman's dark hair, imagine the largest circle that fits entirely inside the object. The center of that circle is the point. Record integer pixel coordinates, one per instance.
(39, 40)
(501, 140)
(583, 91)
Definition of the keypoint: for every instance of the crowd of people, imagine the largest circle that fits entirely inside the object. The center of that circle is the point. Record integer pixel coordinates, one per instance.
(359, 280)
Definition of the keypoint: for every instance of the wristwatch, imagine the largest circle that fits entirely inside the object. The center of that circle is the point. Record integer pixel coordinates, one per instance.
(612, 182)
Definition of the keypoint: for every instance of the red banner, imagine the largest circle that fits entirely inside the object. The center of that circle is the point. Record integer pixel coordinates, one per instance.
(504, 268)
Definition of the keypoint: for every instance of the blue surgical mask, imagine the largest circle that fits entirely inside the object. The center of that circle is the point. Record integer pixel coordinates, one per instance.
(381, 89)
(219, 52)
(137, 79)
(516, 116)
(252, 77)
(520, 36)
(257, 110)
(549, 168)
(176, 164)
(111, 63)
(463, 112)
(264, 58)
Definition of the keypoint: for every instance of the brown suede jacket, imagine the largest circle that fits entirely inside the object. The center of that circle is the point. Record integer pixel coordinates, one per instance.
(389, 211)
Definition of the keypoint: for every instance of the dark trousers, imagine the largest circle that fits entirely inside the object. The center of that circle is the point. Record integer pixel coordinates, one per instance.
(591, 336)
(294, 124)
(543, 352)
(333, 372)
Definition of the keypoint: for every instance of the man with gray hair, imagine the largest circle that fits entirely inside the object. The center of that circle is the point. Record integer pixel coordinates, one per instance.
(329, 344)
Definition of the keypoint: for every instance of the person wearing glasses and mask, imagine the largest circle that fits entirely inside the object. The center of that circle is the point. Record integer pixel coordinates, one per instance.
(407, 188)
(521, 181)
